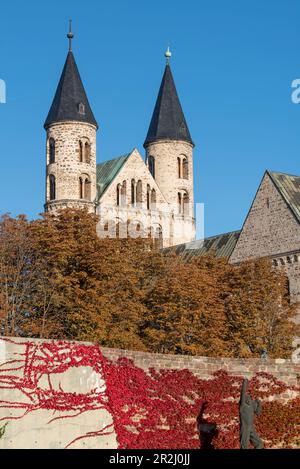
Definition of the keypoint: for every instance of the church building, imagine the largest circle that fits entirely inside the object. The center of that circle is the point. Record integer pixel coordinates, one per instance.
(133, 196)
(154, 196)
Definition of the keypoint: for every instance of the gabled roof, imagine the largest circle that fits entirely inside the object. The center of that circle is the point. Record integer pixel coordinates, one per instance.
(107, 171)
(70, 93)
(289, 187)
(168, 121)
(221, 246)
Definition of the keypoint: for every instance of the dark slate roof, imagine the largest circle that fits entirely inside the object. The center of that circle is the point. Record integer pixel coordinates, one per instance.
(168, 121)
(289, 187)
(221, 246)
(107, 171)
(69, 94)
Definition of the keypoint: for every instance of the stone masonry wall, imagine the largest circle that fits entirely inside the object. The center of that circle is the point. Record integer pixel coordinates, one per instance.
(270, 228)
(166, 153)
(204, 367)
(67, 167)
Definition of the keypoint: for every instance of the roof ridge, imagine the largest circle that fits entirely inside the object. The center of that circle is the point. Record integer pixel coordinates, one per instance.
(115, 158)
(285, 174)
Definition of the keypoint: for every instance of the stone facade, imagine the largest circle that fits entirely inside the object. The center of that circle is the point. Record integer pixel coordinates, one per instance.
(67, 169)
(174, 181)
(160, 219)
(271, 230)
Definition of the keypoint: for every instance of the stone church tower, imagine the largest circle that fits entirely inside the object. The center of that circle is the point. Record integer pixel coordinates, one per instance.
(169, 155)
(71, 143)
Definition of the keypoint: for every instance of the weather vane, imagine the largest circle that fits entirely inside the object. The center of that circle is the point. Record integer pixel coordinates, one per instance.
(168, 55)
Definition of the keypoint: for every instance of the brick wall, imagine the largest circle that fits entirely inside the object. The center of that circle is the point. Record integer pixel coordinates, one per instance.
(204, 367)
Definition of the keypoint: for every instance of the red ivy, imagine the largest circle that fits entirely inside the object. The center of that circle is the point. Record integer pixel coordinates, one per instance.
(154, 409)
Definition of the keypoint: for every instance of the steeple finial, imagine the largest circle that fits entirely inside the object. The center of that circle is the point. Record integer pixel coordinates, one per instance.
(168, 55)
(70, 35)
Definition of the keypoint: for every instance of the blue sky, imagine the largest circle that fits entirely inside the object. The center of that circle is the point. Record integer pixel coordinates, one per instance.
(233, 63)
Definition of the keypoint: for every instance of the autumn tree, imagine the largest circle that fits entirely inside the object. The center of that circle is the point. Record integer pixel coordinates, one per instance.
(59, 279)
(16, 273)
(259, 315)
(185, 314)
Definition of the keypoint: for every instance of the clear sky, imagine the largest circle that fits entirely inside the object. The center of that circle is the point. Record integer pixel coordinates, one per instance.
(233, 63)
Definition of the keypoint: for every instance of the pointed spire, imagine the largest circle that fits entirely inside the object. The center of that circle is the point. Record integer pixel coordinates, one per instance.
(70, 102)
(168, 121)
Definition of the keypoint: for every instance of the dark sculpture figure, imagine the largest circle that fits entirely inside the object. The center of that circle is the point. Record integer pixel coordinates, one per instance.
(207, 430)
(248, 408)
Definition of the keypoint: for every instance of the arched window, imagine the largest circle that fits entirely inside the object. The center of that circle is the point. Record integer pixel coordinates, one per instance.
(185, 168)
(80, 151)
(52, 187)
(123, 193)
(179, 202)
(81, 109)
(87, 188)
(87, 152)
(148, 196)
(153, 199)
(179, 166)
(118, 194)
(151, 163)
(186, 203)
(84, 150)
(132, 191)
(139, 192)
(80, 188)
(51, 150)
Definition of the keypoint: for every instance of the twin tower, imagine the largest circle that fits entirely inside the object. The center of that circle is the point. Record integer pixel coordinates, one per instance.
(71, 169)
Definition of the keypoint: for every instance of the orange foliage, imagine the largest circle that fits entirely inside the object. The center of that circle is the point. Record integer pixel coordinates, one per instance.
(58, 279)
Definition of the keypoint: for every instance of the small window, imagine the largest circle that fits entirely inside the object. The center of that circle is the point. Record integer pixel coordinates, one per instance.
(118, 194)
(132, 191)
(179, 166)
(51, 151)
(153, 199)
(148, 196)
(87, 152)
(179, 202)
(123, 193)
(185, 168)
(186, 203)
(80, 151)
(80, 188)
(87, 189)
(52, 187)
(139, 192)
(81, 109)
(151, 163)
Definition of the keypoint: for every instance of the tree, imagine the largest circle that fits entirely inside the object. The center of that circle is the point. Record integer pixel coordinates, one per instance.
(185, 314)
(59, 279)
(258, 312)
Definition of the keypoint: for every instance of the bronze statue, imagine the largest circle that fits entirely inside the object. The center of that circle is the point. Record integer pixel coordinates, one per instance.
(248, 408)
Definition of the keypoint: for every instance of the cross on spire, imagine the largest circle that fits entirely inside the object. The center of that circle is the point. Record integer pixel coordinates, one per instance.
(70, 35)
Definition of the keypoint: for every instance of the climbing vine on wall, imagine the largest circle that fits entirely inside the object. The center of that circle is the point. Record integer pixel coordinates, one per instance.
(161, 409)
(150, 409)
